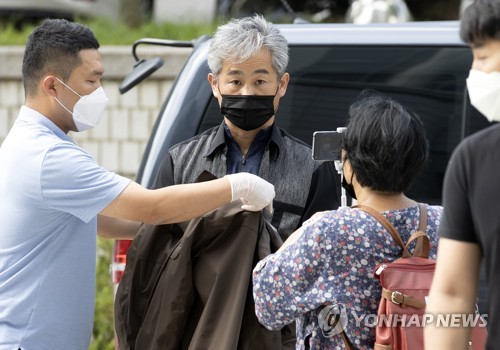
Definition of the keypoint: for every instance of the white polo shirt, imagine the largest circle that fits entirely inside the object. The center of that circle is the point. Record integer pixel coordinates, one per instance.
(51, 191)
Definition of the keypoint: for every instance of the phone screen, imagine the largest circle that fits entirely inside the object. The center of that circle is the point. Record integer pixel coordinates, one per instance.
(326, 145)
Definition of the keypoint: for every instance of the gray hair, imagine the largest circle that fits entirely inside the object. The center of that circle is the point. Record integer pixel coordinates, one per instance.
(242, 38)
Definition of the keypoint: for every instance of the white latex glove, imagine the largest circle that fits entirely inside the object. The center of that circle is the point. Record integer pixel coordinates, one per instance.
(254, 192)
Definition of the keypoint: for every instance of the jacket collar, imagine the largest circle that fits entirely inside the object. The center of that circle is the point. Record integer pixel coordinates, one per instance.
(219, 141)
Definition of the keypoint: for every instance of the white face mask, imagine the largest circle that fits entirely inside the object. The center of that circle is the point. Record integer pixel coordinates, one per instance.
(484, 92)
(89, 109)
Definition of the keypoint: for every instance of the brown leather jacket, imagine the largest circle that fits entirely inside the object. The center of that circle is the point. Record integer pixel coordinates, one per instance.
(193, 289)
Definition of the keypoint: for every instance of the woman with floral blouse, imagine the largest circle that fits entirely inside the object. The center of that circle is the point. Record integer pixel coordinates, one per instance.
(329, 261)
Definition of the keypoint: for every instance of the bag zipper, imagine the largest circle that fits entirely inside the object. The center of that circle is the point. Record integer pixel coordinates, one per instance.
(382, 267)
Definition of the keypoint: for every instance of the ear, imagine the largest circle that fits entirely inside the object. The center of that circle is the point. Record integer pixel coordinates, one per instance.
(48, 85)
(213, 84)
(285, 78)
(347, 168)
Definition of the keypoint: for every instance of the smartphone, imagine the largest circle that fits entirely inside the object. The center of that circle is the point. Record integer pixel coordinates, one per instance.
(327, 145)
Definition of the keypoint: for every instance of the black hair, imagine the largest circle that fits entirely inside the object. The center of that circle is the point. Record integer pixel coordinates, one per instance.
(480, 22)
(54, 47)
(385, 143)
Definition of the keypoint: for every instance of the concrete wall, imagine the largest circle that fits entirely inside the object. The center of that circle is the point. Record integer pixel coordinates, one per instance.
(118, 142)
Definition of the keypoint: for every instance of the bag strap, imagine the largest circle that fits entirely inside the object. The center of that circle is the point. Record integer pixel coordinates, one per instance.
(388, 226)
(402, 299)
(347, 343)
(422, 245)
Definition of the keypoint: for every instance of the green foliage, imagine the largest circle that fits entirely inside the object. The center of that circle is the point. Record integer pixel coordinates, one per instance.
(103, 333)
(9, 35)
(110, 33)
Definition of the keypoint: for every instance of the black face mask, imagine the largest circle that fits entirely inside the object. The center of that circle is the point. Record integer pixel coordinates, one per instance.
(247, 112)
(349, 188)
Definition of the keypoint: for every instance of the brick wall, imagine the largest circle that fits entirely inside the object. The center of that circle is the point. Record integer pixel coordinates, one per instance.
(118, 142)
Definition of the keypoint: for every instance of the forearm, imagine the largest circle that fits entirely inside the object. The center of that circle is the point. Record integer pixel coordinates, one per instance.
(453, 293)
(270, 283)
(283, 282)
(439, 336)
(169, 204)
(184, 202)
(113, 228)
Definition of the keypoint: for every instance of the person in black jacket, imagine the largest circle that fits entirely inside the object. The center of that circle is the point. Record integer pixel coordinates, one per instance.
(248, 59)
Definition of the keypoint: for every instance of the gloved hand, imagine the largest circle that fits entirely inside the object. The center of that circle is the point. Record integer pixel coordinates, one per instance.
(254, 192)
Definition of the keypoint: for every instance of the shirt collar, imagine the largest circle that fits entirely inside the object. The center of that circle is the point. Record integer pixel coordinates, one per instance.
(220, 140)
(31, 116)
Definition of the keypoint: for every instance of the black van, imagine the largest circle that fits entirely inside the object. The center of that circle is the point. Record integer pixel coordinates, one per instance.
(423, 65)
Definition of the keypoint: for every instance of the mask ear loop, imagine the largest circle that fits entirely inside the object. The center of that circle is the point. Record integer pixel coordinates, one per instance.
(76, 93)
(60, 103)
(275, 94)
(340, 170)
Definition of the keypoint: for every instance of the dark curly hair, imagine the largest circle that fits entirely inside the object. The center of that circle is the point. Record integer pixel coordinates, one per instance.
(385, 143)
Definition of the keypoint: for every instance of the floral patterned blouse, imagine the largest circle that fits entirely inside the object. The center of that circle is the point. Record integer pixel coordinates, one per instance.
(332, 262)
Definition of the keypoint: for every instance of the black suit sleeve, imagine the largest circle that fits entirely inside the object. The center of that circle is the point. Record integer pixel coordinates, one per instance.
(165, 175)
(324, 191)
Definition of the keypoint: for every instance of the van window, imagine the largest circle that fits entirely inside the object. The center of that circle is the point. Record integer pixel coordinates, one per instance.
(429, 80)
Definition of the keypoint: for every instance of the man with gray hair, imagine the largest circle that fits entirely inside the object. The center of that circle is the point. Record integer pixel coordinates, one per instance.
(248, 59)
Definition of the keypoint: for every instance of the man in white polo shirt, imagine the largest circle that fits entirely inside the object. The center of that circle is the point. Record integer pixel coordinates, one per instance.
(54, 196)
